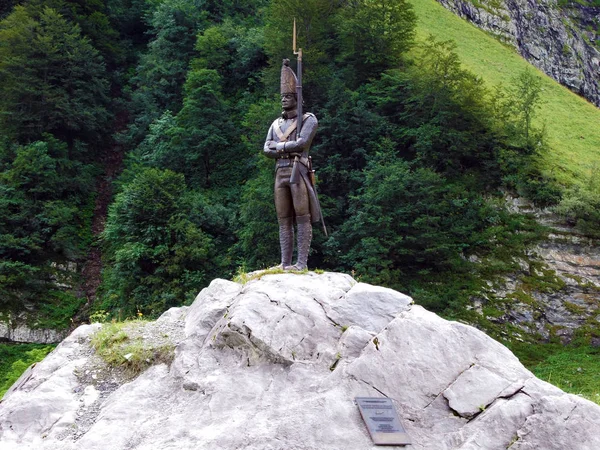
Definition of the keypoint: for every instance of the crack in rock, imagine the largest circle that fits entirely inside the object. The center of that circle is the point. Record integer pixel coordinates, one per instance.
(570, 412)
(270, 299)
(477, 388)
(282, 317)
(260, 347)
(325, 312)
(491, 404)
(517, 436)
(447, 386)
(360, 380)
(378, 390)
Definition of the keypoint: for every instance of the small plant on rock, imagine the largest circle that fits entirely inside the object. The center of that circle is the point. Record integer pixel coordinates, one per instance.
(120, 344)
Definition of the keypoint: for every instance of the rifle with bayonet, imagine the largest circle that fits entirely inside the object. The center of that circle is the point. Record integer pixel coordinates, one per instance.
(294, 176)
(311, 174)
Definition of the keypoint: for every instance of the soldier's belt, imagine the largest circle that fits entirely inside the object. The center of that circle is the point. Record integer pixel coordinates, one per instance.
(289, 159)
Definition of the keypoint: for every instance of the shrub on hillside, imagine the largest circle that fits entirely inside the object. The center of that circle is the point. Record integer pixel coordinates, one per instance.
(160, 242)
(580, 207)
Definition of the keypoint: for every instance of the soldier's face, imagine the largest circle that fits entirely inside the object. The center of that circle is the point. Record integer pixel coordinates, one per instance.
(288, 101)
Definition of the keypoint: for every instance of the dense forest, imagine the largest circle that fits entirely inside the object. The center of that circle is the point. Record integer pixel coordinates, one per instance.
(167, 102)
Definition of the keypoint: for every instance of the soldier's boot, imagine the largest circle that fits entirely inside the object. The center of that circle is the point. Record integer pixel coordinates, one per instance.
(286, 240)
(304, 240)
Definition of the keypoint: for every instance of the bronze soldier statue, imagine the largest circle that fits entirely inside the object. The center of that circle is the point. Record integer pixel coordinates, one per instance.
(288, 142)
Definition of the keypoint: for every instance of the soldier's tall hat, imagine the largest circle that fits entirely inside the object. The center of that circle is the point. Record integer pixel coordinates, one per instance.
(288, 78)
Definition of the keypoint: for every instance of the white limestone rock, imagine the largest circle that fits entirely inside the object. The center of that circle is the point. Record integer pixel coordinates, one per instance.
(477, 387)
(353, 341)
(554, 414)
(210, 305)
(495, 427)
(268, 366)
(369, 307)
(275, 319)
(41, 403)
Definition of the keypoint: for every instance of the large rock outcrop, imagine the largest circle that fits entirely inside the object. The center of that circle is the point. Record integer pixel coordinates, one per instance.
(559, 38)
(276, 364)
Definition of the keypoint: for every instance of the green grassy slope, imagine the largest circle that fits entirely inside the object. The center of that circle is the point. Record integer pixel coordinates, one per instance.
(572, 123)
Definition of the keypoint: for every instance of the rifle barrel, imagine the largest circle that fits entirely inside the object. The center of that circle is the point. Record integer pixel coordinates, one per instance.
(299, 94)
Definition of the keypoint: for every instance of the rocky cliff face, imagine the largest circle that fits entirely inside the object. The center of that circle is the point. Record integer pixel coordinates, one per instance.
(556, 291)
(276, 364)
(560, 38)
(16, 330)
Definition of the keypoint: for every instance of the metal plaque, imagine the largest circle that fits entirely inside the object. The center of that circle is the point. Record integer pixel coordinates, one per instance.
(382, 421)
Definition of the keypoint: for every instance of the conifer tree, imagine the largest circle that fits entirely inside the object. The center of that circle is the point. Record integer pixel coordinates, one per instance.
(44, 205)
(52, 80)
(373, 35)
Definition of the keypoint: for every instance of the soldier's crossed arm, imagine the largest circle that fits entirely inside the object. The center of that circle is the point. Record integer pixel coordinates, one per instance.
(305, 137)
(270, 144)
